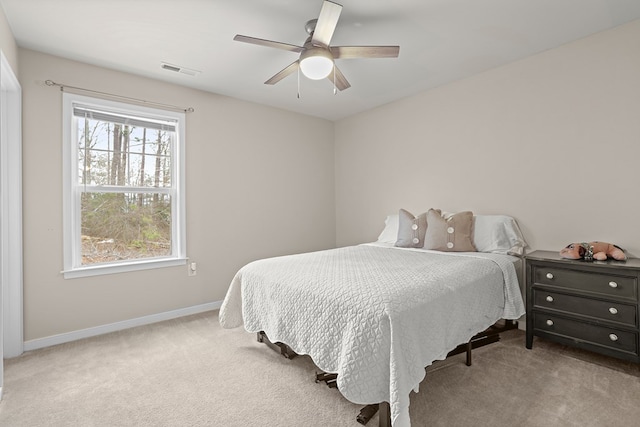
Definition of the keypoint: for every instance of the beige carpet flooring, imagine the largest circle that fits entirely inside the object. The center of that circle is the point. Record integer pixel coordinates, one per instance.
(191, 372)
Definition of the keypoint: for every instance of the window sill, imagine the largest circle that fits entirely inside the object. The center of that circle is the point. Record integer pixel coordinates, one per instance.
(99, 270)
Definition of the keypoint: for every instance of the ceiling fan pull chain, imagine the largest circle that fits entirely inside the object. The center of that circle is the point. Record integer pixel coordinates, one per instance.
(335, 88)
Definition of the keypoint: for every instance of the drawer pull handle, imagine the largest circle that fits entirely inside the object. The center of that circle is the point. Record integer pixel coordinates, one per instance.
(613, 284)
(613, 337)
(550, 323)
(549, 298)
(613, 310)
(549, 276)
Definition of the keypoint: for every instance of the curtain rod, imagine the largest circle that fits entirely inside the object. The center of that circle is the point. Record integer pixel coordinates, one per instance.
(174, 107)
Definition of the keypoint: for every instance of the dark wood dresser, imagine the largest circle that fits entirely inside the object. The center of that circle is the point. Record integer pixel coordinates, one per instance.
(590, 305)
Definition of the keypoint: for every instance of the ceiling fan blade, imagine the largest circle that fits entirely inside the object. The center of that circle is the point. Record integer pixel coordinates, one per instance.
(289, 69)
(268, 43)
(340, 80)
(326, 25)
(346, 52)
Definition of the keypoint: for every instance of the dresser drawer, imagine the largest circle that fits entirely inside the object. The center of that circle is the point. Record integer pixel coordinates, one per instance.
(625, 314)
(587, 281)
(600, 336)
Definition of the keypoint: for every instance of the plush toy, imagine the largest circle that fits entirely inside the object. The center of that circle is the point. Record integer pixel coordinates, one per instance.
(593, 250)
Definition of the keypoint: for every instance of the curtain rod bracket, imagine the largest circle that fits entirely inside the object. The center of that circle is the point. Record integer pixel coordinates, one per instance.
(173, 107)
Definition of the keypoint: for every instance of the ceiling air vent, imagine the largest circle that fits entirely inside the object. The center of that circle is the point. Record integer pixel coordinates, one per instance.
(179, 69)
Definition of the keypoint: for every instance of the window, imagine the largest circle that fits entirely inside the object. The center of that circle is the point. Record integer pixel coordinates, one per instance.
(123, 187)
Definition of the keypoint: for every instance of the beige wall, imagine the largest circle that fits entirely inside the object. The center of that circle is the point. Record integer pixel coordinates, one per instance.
(255, 188)
(553, 140)
(8, 43)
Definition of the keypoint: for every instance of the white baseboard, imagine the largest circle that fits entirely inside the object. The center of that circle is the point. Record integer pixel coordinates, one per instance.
(118, 326)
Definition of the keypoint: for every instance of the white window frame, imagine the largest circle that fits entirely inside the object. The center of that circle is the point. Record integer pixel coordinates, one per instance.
(73, 267)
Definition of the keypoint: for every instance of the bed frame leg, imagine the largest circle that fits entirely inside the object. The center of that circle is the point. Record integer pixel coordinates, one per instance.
(278, 347)
(367, 413)
(488, 336)
(385, 415)
(330, 379)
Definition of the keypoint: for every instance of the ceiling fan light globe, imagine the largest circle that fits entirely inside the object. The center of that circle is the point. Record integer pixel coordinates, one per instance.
(316, 63)
(316, 67)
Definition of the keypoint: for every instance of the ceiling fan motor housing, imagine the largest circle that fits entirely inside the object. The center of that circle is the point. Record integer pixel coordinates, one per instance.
(310, 26)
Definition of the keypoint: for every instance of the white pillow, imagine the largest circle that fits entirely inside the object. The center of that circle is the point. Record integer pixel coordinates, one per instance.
(390, 232)
(498, 234)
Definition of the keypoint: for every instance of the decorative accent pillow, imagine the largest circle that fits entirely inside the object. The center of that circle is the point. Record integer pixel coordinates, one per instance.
(411, 229)
(452, 234)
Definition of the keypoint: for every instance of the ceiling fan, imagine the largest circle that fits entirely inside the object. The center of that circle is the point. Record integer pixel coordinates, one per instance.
(317, 57)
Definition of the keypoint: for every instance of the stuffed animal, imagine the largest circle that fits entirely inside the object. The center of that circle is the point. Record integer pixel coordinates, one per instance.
(593, 250)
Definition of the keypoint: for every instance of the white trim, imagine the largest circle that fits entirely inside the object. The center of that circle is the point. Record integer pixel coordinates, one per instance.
(122, 267)
(118, 326)
(10, 212)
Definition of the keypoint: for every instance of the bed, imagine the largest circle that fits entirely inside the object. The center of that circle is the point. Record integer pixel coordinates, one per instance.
(376, 314)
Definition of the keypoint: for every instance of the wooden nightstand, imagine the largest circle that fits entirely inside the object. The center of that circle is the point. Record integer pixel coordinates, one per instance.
(590, 305)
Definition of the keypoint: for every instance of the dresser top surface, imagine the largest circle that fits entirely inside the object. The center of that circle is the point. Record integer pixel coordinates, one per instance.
(630, 263)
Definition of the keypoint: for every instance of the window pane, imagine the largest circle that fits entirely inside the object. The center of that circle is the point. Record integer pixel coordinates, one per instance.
(125, 226)
(123, 155)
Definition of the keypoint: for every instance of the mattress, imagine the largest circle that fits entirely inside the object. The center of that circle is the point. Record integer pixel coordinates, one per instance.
(374, 314)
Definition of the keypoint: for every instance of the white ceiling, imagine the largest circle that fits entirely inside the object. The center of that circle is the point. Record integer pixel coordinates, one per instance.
(440, 41)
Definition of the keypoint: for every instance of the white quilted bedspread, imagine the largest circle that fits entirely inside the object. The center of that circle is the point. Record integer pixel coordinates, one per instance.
(376, 316)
